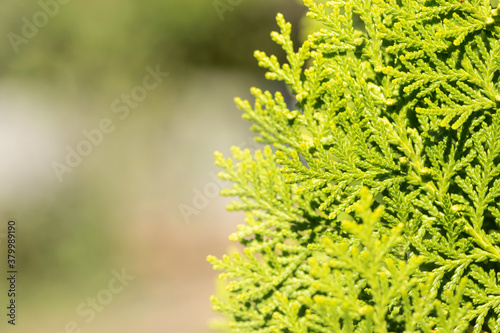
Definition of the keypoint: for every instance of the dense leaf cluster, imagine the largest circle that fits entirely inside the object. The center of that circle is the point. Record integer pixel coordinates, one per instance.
(378, 210)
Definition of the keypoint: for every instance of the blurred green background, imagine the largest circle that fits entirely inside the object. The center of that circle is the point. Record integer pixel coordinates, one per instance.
(121, 207)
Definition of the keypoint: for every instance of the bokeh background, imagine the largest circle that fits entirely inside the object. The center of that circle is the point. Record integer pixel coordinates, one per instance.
(121, 208)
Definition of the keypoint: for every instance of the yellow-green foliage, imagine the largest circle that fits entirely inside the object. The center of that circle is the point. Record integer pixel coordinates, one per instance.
(397, 101)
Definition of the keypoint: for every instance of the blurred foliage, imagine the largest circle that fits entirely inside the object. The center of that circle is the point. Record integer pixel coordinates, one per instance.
(97, 49)
(89, 52)
(100, 44)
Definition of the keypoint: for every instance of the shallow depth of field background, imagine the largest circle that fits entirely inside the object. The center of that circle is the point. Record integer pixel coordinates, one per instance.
(119, 209)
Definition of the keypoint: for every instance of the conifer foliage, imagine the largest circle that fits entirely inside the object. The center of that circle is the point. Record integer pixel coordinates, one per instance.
(375, 204)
